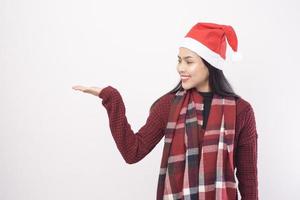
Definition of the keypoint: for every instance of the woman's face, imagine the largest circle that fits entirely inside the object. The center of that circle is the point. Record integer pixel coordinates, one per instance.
(191, 65)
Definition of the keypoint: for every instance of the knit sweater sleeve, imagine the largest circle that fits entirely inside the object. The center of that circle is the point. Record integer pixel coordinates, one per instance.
(247, 156)
(132, 146)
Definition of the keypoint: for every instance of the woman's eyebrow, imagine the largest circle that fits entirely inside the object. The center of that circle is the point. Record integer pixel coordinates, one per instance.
(185, 57)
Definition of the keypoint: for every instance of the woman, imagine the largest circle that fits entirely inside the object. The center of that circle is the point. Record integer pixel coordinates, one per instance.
(209, 130)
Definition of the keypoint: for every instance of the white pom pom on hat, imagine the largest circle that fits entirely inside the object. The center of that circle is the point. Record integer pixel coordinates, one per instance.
(236, 56)
(210, 40)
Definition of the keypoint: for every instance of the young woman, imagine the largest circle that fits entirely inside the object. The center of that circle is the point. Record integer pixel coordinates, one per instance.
(209, 131)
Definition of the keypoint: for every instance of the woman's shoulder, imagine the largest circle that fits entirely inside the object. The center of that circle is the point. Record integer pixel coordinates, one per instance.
(168, 97)
(246, 123)
(243, 106)
(163, 102)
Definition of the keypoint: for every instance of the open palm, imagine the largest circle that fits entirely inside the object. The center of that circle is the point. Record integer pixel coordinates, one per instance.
(91, 90)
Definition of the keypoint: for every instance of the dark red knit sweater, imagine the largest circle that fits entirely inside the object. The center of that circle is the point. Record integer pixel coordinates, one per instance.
(135, 146)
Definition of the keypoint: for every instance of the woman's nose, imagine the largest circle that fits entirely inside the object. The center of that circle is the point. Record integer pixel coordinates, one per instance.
(181, 68)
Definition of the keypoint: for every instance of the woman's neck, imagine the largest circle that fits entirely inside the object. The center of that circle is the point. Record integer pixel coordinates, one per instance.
(205, 88)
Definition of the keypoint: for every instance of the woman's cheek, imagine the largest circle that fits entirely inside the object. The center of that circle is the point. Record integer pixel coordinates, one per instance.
(193, 69)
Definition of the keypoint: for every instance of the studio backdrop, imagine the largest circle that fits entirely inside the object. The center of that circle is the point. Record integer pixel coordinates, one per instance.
(55, 142)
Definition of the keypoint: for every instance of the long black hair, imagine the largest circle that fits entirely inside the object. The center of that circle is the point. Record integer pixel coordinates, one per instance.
(217, 82)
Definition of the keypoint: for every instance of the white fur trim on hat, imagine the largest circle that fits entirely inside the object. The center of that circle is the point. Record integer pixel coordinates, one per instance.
(203, 51)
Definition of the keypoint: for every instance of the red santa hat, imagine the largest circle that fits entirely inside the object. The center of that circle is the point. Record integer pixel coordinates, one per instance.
(208, 40)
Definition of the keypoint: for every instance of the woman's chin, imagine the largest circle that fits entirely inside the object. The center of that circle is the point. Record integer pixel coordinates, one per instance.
(186, 86)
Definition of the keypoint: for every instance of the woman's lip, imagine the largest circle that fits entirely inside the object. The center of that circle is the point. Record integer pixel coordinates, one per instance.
(185, 78)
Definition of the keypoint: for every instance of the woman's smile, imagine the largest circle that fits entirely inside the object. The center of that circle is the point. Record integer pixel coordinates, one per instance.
(184, 78)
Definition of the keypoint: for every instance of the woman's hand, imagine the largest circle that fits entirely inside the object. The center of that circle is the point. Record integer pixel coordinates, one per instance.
(91, 90)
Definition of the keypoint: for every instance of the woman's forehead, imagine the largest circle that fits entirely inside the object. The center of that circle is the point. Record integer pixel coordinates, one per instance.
(185, 53)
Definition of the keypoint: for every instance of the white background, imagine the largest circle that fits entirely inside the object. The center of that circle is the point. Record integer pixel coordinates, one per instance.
(55, 142)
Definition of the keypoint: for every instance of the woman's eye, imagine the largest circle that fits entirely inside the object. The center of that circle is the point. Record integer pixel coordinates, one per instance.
(186, 62)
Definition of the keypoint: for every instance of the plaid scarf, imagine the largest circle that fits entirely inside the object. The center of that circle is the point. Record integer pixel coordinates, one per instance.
(184, 172)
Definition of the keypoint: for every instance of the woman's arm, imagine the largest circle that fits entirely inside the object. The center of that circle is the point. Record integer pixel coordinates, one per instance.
(132, 146)
(247, 157)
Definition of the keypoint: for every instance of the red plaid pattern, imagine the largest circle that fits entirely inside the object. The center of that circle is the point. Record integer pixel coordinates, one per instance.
(187, 173)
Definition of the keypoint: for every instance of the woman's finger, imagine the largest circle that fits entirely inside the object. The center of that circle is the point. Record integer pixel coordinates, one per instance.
(79, 87)
(91, 90)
